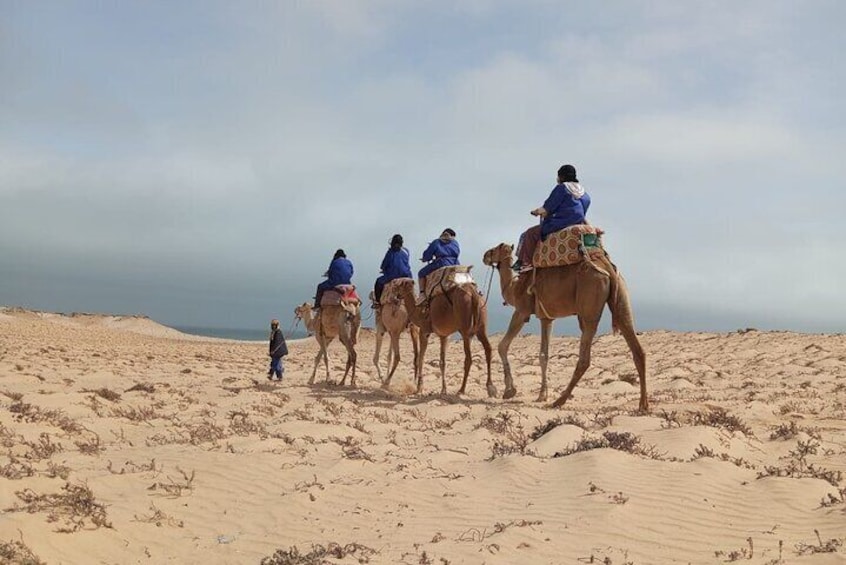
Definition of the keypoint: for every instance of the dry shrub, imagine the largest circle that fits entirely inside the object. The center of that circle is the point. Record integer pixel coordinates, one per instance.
(44, 448)
(174, 488)
(74, 506)
(828, 546)
(621, 441)
(670, 420)
(55, 470)
(241, 424)
(550, 425)
(132, 467)
(14, 396)
(351, 448)
(704, 451)
(105, 393)
(17, 552)
(334, 409)
(498, 424)
(720, 418)
(433, 424)
(738, 554)
(159, 518)
(791, 430)
(205, 431)
(142, 387)
(28, 413)
(515, 439)
(16, 469)
(90, 447)
(798, 467)
(320, 555)
(133, 414)
(8, 438)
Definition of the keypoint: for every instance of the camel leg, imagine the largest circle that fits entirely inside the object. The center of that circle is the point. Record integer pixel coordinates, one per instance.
(352, 360)
(380, 333)
(517, 322)
(486, 345)
(355, 324)
(326, 357)
(414, 331)
(468, 362)
(320, 353)
(639, 358)
(393, 355)
(424, 343)
(588, 333)
(444, 344)
(546, 330)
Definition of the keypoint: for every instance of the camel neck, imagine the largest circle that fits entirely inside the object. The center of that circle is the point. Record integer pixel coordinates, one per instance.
(506, 279)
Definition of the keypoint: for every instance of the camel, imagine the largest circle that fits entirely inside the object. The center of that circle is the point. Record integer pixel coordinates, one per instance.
(460, 309)
(582, 290)
(393, 318)
(342, 321)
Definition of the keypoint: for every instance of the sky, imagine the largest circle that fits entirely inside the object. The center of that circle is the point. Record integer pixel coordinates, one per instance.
(200, 162)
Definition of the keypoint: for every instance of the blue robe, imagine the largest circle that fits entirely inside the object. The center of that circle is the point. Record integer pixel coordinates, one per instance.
(440, 253)
(566, 206)
(340, 272)
(395, 265)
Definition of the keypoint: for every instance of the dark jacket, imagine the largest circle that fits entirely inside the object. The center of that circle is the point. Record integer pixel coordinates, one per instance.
(278, 347)
(395, 265)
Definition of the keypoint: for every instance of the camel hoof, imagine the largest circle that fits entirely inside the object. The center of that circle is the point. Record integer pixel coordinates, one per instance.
(509, 393)
(558, 403)
(443, 391)
(386, 385)
(459, 393)
(491, 391)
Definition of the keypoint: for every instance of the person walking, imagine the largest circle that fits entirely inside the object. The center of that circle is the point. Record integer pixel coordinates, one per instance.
(278, 349)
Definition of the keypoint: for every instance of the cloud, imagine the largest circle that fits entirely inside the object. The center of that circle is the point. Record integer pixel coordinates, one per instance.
(230, 149)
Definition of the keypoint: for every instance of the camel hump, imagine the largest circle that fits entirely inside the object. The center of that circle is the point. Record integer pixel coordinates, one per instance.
(568, 246)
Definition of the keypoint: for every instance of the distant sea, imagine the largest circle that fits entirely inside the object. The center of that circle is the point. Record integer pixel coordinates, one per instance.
(239, 334)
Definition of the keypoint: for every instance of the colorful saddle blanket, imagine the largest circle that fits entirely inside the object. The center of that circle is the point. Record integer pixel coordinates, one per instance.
(568, 246)
(342, 293)
(446, 278)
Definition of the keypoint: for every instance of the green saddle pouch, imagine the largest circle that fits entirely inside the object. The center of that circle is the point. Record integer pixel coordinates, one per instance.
(590, 240)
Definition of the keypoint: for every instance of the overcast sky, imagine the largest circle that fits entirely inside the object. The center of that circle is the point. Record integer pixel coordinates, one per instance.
(200, 162)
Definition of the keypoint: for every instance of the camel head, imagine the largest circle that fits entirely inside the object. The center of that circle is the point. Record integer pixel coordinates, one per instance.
(499, 254)
(404, 286)
(302, 310)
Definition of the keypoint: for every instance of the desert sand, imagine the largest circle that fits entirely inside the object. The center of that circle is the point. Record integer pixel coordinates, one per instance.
(122, 441)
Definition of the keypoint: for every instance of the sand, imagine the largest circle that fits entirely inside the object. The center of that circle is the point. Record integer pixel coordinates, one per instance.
(122, 441)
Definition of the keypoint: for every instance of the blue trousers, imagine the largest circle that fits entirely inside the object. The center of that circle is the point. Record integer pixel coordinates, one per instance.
(276, 367)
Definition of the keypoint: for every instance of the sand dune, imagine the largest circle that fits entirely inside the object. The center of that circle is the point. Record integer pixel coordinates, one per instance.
(123, 441)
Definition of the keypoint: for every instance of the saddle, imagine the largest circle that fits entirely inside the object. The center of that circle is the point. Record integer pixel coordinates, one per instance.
(343, 294)
(444, 279)
(568, 247)
(390, 294)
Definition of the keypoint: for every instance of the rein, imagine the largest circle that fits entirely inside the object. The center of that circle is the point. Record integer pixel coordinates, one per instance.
(490, 281)
(294, 324)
